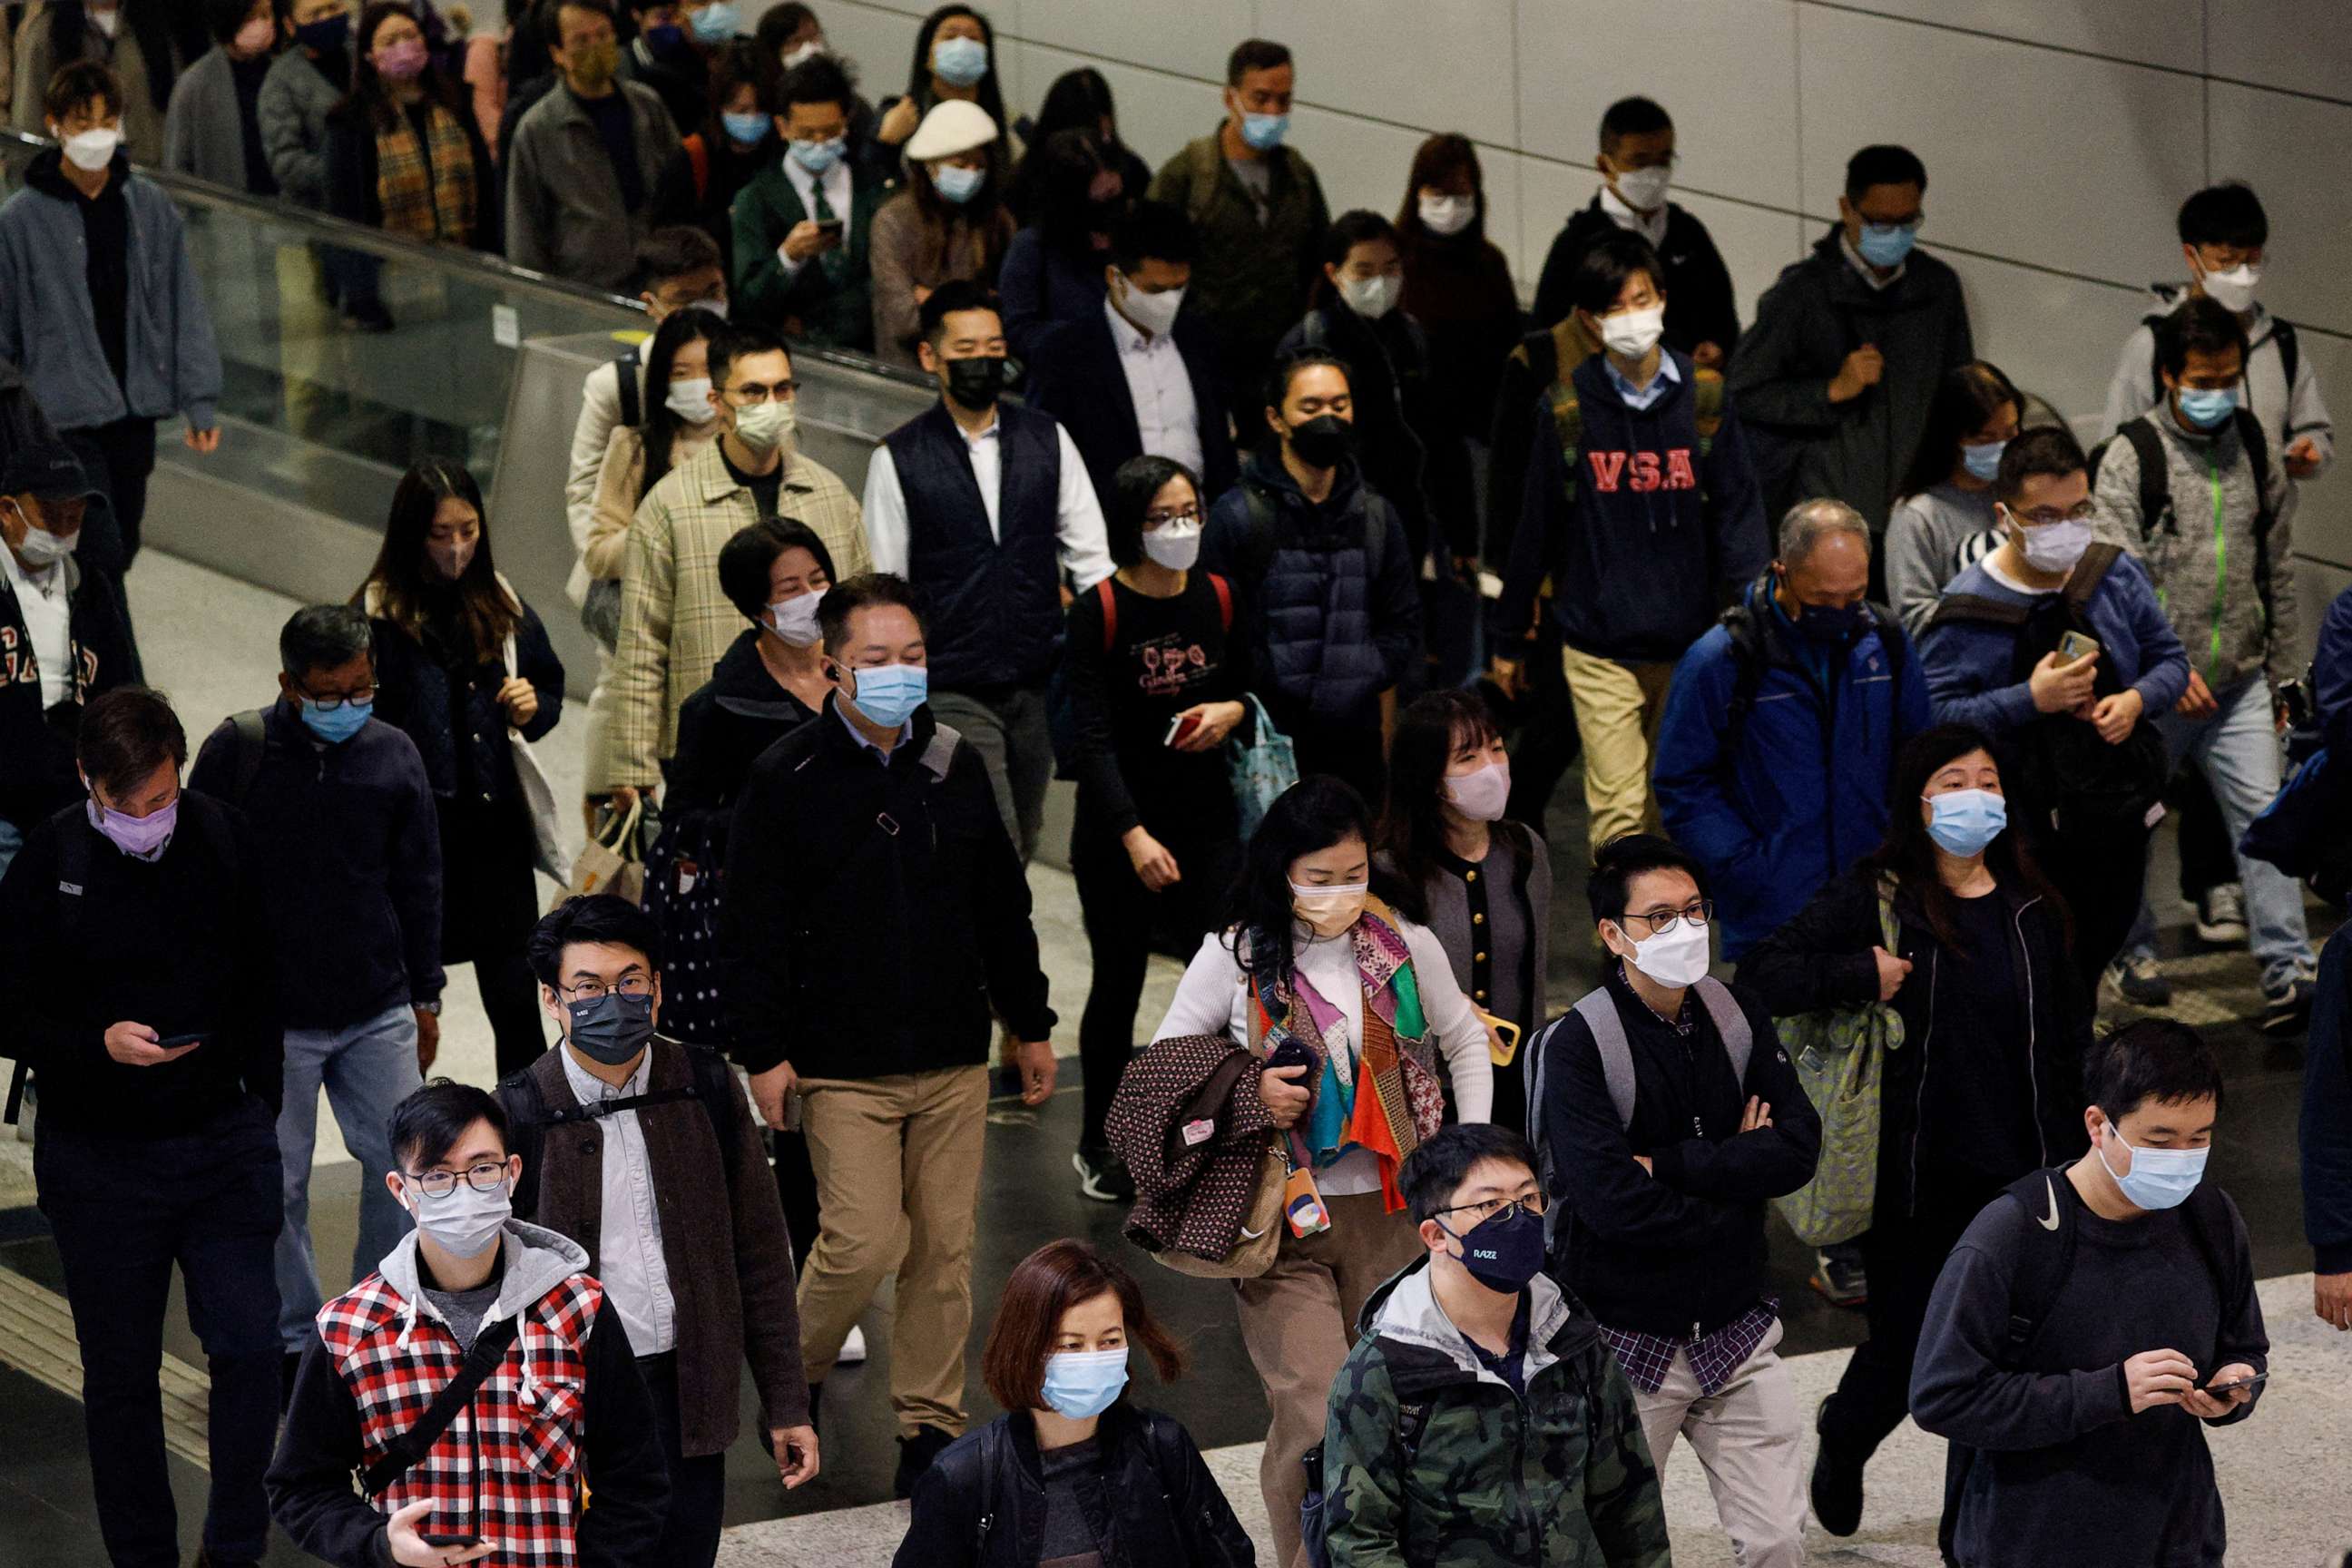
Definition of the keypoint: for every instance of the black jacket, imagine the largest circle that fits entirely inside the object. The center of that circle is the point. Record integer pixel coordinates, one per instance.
(982, 1503)
(1700, 308)
(37, 774)
(724, 726)
(352, 168)
(414, 693)
(353, 872)
(1680, 1245)
(2327, 1138)
(876, 910)
(1076, 378)
(1822, 959)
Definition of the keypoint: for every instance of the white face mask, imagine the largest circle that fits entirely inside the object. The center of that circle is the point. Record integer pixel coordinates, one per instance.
(2053, 546)
(91, 151)
(1675, 958)
(1447, 214)
(1152, 313)
(1633, 334)
(465, 1222)
(1644, 190)
(1371, 298)
(43, 548)
(807, 51)
(1175, 545)
(2233, 290)
(1481, 795)
(762, 427)
(690, 400)
(796, 618)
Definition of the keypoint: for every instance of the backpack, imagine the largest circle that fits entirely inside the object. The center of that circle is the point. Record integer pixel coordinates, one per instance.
(1749, 665)
(2157, 514)
(1061, 710)
(1314, 1506)
(251, 745)
(626, 370)
(1598, 1011)
(529, 1116)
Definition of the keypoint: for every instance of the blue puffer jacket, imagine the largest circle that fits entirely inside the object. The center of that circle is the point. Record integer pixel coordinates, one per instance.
(1332, 588)
(1800, 793)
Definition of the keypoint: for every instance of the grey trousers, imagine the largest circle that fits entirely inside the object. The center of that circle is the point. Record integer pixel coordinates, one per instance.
(1007, 728)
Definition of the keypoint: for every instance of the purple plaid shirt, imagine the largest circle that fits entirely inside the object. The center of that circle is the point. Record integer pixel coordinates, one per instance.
(1647, 1358)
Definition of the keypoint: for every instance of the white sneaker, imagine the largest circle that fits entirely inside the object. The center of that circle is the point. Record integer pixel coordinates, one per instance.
(853, 1349)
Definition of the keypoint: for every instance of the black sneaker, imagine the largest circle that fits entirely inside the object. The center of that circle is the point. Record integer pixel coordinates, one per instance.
(2140, 981)
(2287, 1010)
(915, 1456)
(1102, 1177)
(1836, 1485)
(1839, 1277)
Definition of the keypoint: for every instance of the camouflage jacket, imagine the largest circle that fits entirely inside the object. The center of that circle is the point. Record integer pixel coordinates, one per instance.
(1479, 1477)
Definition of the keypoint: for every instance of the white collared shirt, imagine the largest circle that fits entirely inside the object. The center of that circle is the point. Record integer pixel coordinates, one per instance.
(1853, 258)
(1078, 514)
(1651, 226)
(47, 609)
(629, 1237)
(837, 195)
(1167, 416)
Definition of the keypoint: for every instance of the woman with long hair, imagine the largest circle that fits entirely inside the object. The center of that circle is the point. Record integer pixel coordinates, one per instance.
(1483, 883)
(1316, 965)
(403, 152)
(460, 659)
(1079, 99)
(954, 62)
(1075, 1471)
(1457, 285)
(1944, 519)
(737, 138)
(948, 223)
(1053, 269)
(1986, 1085)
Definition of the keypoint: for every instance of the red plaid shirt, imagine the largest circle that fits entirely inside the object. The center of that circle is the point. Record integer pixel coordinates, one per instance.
(508, 1468)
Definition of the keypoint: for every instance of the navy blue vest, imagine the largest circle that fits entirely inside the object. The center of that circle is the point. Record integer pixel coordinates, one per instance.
(993, 606)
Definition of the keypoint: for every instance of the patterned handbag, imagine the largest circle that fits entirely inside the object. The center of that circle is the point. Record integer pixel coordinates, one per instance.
(1840, 1059)
(1260, 769)
(684, 881)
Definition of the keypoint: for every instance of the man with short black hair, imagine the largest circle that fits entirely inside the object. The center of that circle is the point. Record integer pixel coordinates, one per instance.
(1260, 214)
(1479, 1418)
(354, 883)
(1636, 161)
(2088, 1326)
(800, 226)
(982, 506)
(472, 1295)
(1838, 370)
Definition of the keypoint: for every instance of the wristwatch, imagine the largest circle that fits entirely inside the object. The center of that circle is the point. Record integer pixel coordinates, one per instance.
(433, 1006)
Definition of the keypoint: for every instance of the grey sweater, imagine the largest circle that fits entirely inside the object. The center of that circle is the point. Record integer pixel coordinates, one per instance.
(1929, 538)
(1517, 936)
(204, 131)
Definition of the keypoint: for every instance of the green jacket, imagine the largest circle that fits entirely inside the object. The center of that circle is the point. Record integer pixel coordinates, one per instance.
(1561, 1478)
(1250, 279)
(835, 305)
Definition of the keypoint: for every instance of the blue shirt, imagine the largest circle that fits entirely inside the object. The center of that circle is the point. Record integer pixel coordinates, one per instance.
(1642, 397)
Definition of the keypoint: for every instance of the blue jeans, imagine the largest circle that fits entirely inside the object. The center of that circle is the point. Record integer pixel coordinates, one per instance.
(11, 839)
(367, 1068)
(2237, 749)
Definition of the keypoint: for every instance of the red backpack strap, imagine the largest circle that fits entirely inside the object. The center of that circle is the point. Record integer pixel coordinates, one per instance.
(698, 156)
(1224, 601)
(1110, 614)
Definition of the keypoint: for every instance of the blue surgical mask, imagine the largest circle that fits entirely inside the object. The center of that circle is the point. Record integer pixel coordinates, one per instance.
(1983, 460)
(1885, 244)
(747, 129)
(334, 725)
(1081, 1384)
(888, 694)
(959, 62)
(2207, 406)
(1963, 821)
(715, 22)
(817, 157)
(2158, 1178)
(957, 185)
(1265, 131)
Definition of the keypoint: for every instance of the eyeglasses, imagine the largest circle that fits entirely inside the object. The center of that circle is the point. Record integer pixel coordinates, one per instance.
(1532, 1204)
(596, 989)
(486, 1177)
(1698, 914)
(2043, 516)
(782, 392)
(363, 697)
(1161, 519)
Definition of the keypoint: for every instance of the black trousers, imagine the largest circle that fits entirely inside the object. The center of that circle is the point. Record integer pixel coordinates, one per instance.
(796, 1185)
(1349, 752)
(697, 1487)
(120, 459)
(1547, 743)
(123, 1211)
(2207, 858)
(2100, 871)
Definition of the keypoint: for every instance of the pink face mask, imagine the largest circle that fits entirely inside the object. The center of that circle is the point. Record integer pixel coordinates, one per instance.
(402, 61)
(452, 558)
(254, 36)
(143, 837)
(1481, 795)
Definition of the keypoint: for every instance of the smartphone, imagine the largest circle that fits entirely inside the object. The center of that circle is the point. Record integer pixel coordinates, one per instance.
(1509, 1051)
(830, 227)
(2254, 1382)
(174, 1042)
(455, 1542)
(1290, 1054)
(793, 1116)
(1180, 727)
(2074, 644)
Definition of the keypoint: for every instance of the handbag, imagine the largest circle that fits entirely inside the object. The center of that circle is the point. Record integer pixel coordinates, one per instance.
(683, 877)
(608, 862)
(539, 795)
(1261, 768)
(1840, 1053)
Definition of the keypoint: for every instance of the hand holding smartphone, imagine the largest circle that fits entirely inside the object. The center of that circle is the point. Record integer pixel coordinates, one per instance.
(1180, 727)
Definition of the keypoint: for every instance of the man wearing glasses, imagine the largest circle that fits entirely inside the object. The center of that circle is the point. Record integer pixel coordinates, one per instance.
(1667, 1116)
(354, 883)
(676, 620)
(1480, 1418)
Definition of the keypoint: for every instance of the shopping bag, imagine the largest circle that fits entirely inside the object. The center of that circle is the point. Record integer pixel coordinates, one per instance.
(539, 797)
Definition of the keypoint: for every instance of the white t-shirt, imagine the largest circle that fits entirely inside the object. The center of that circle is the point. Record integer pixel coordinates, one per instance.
(47, 609)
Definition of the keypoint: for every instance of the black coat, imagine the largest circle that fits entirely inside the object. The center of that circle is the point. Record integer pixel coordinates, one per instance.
(38, 775)
(1076, 378)
(413, 692)
(731, 718)
(1822, 959)
(982, 1503)
(1700, 308)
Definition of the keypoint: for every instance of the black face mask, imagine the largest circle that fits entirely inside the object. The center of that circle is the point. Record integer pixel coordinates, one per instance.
(611, 1028)
(976, 383)
(1323, 441)
(1833, 624)
(1503, 1251)
(328, 36)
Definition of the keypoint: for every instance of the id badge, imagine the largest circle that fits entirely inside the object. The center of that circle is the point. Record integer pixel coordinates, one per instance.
(1302, 1203)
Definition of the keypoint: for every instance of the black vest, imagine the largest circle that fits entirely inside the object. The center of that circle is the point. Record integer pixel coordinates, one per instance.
(994, 605)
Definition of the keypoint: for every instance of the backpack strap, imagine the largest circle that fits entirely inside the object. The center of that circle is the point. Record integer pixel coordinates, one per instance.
(2044, 1261)
(1730, 1024)
(1225, 592)
(941, 751)
(526, 1110)
(1568, 429)
(401, 1454)
(2207, 1215)
(632, 402)
(1203, 164)
(2154, 478)
(1109, 603)
(1598, 1011)
(1954, 607)
(1746, 679)
(2089, 573)
(252, 745)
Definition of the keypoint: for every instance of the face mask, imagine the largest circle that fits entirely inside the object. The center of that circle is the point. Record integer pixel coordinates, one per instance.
(716, 305)
(690, 400)
(596, 64)
(666, 42)
(1964, 820)
(2054, 546)
(1481, 795)
(92, 150)
(451, 557)
(1677, 957)
(464, 1224)
(2207, 406)
(337, 724)
(254, 38)
(1983, 460)
(1328, 912)
(1265, 131)
(888, 694)
(143, 837)
(957, 184)
(611, 1028)
(1885, 244)
(715, 22)
(1081, 1384)
(817, 157)
(2233, 290)
(807, 51)
(959, 62)
(763, 425)
(2158, 1178)
(1644, 190)
(326, 36)
(1447, 214)
(1153, 313)
(402, 61)
(1371, 298)
(1503, 1251)
(41, 548)
(794, 619)
(1175, 545)
(976, 383)
(1324, 441)
(1629, 334)
(1830, 623)
(747, 129)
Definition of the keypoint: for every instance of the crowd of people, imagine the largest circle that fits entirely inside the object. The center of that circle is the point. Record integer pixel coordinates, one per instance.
(1879, 682)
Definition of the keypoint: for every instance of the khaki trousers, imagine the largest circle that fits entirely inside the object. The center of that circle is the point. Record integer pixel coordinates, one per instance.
(1298, 1322)
(1749, 1438)
(890, 1150)
(1617, 707)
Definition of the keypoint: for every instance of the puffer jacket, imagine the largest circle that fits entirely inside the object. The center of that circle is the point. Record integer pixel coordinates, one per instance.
(295, 98)
(982, 1503)
(1559, 1479)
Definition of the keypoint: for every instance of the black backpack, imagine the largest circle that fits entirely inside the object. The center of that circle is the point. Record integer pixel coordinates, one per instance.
(1749, 662)
(529, 1116)
(628, 370)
